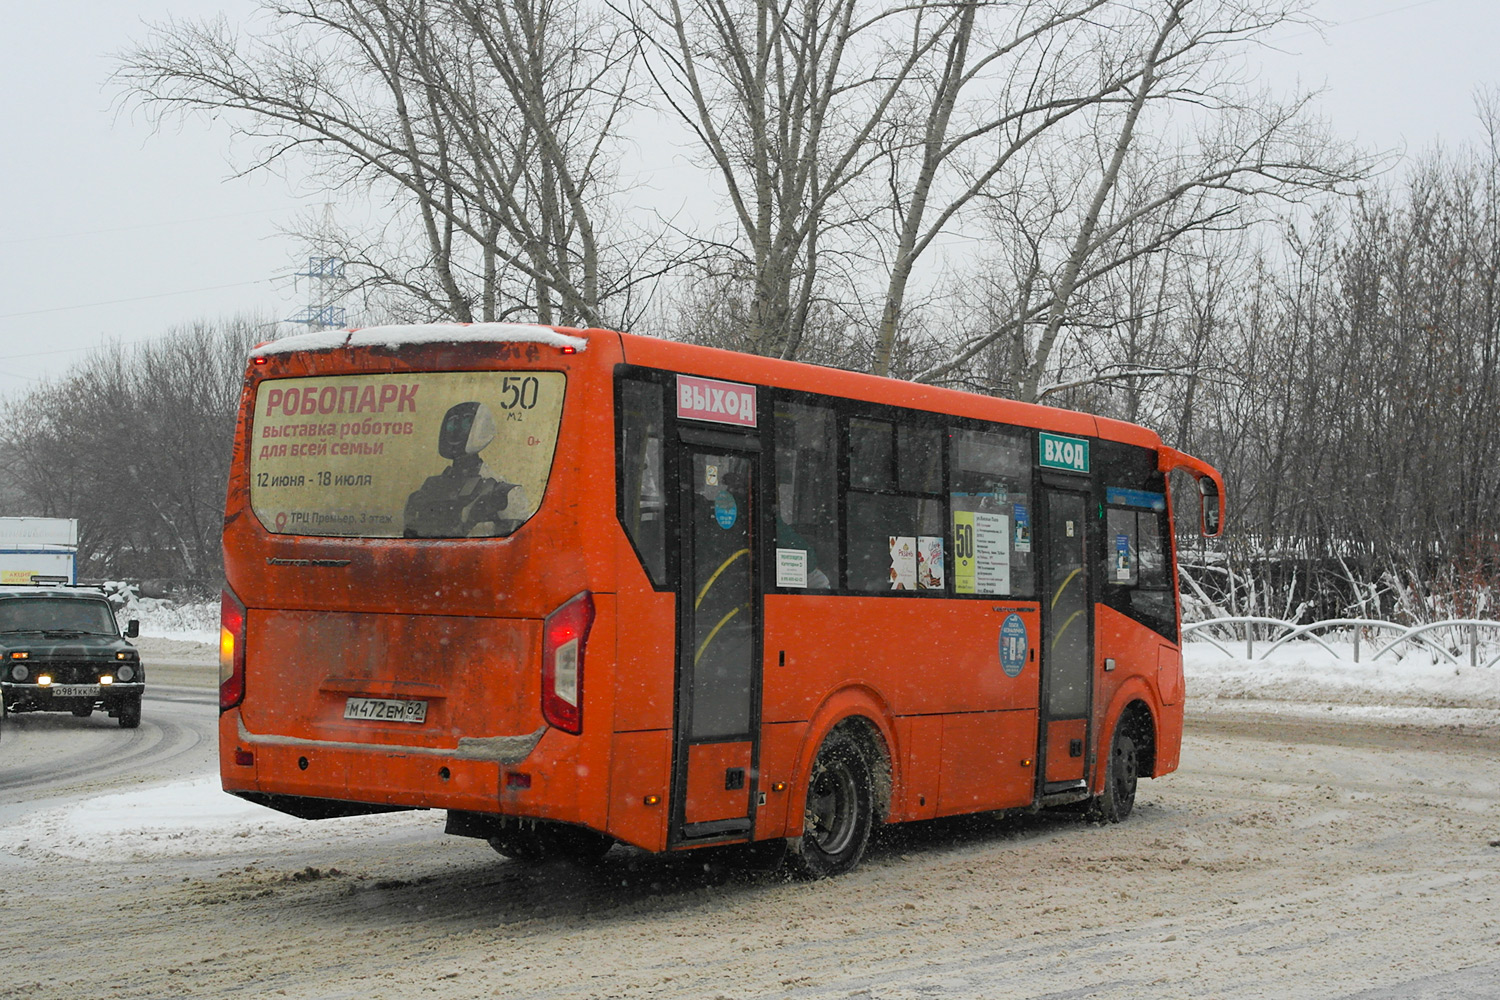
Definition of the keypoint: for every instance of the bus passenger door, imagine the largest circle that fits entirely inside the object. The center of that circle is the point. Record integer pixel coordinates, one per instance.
(718, 648)
(1067, 646)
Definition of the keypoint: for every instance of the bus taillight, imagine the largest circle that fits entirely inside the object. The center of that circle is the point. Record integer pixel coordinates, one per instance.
(564, 636)
(231, 651)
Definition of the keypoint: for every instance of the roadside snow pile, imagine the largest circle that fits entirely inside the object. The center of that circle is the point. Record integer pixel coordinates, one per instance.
(1303, 676)
(188, 817)
(166, 620)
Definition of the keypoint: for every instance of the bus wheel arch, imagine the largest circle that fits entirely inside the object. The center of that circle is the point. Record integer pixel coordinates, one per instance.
(845, 786)
(838, 807)
(1130, 755)
(865, 717)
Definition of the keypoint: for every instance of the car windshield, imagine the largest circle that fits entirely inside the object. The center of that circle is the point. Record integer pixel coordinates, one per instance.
(42, 614)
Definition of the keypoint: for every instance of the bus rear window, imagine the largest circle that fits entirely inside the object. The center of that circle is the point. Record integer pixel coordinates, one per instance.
(434, 455)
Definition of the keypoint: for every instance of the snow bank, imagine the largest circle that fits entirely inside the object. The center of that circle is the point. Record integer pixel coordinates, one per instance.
(1304, 676)
(186, 817)
(186, 622)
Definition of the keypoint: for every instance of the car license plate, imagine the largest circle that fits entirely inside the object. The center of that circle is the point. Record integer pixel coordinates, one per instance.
(75, 690)
(385, 710)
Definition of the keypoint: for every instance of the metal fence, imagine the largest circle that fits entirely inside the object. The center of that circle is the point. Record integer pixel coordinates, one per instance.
(1448, 640)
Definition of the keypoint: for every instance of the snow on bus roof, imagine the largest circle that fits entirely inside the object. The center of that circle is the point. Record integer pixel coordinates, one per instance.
(424, 333)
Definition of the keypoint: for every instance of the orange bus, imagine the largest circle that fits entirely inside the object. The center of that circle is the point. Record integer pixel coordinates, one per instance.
(579, 587)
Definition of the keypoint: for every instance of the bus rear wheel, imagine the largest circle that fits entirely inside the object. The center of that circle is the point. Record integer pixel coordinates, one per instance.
(1119, 781)
(839, 813)
(535, 843)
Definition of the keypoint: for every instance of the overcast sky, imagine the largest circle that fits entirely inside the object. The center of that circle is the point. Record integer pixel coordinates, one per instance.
(111, 232)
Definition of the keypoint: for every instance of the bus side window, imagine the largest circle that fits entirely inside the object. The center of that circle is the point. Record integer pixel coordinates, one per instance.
(919, 459)
(806, 497)
(870, 456)
(989, 494)
(1154, 556)
(642, 502)
(1121, 548)
(1135, 568)
(894, 539)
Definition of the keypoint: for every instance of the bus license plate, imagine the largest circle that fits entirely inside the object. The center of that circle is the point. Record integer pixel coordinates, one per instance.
(385, 710)
(75, 690)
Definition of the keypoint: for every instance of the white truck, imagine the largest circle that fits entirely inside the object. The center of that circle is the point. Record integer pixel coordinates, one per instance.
(38, 549)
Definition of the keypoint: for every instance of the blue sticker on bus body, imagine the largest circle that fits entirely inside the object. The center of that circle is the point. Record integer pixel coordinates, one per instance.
(1014, 645)
(726, 511)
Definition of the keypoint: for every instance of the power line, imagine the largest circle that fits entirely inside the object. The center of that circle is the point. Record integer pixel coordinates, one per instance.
(66, 350)
(1383, 13)
(1332, 24)
(138, 298)
(128, 229)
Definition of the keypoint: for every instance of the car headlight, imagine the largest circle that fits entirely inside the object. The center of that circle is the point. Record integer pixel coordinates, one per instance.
(125, 672)
(19, 672)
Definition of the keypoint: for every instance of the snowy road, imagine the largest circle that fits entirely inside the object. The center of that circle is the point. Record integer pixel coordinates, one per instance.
(1302, 851)
(48, 757)
(1288, 858)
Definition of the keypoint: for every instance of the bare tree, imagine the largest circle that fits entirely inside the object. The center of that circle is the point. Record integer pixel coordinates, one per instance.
(785, 101)
(1145, 173)
(135, 443)
(484, 126)
(1002, 77)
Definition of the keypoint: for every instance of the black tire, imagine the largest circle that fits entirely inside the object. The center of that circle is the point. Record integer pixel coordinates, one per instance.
(534, 843)
(83, 711)
(519, 844)
(577, 844)
(1119, 781)
(838, 814)
(130, 713)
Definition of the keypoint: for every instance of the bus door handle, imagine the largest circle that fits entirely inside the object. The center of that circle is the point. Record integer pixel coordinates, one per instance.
(734, 779)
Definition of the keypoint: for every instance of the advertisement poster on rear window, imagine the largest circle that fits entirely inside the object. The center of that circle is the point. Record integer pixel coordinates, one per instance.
(437, 455)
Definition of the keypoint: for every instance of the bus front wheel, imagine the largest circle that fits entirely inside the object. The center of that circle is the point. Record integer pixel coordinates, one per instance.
(839, 813)
(1119, 781)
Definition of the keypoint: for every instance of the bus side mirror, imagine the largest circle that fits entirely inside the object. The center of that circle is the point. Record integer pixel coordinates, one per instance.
(132, 629)
(1208, 492)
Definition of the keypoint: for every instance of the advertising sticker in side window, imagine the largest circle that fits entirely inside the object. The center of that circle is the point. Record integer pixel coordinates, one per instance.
(434, 455)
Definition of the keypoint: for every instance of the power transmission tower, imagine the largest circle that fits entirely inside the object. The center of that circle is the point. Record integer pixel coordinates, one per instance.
(325, 277)
(325, 281)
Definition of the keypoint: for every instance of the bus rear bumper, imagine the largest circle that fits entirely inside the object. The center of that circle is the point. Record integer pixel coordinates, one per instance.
(282, 772)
